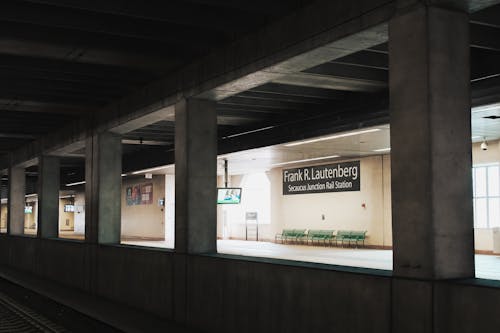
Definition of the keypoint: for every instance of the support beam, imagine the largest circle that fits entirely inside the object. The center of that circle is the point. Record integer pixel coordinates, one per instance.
(430, 144)
(17, 191)
(103, 168)
(195, 176)
(432, 221)
(48, 197)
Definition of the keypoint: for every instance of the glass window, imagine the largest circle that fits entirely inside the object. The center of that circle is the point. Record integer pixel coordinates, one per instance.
(486, 191)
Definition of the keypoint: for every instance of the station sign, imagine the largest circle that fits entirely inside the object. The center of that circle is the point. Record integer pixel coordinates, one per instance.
(337, 177)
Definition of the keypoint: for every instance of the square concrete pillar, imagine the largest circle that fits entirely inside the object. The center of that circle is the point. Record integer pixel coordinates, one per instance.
(17, 192)
(433, 236)
(195, 176)
(48, 196)
(103, 181)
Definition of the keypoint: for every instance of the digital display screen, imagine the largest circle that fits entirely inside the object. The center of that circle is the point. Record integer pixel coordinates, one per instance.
(229, 195)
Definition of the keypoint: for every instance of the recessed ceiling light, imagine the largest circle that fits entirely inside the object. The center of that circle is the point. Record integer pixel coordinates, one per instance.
(331, 137)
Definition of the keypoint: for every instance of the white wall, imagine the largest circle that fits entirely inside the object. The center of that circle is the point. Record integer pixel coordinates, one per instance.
(483, 238)
(170, 210)
(79, 213)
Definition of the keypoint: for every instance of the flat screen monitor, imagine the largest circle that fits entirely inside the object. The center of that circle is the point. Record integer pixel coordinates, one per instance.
(228, 195)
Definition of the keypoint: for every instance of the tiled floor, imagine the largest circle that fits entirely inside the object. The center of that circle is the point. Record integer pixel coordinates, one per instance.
(487, 266)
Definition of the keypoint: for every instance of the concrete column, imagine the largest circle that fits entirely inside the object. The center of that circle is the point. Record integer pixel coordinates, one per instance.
(17, 192)
(103, 168)
(195, 176)
(48, 196)
(432, 216)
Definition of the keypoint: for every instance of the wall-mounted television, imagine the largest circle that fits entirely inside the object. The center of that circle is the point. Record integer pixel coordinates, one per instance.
(228, 195)
(28, 209)
(69, 208)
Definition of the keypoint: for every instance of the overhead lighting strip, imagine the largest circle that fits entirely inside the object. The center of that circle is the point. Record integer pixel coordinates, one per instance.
(331, 137)
(307, 160)
(75, 184)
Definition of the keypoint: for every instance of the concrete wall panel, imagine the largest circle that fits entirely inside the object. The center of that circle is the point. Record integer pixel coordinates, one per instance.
(226, 295)
(65, 262)
(137, 277)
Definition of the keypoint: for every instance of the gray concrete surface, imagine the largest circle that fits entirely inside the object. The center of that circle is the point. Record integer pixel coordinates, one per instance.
(195, 176)
(430, 144)
(17, 181)
(48, 196)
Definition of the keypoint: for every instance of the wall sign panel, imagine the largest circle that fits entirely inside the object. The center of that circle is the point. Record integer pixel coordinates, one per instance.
(337, 177)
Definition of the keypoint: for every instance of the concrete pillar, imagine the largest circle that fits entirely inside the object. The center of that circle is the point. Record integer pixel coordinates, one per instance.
(17, 192)
(195, 176)
(48, 196)
(432, 216)
(103, 168)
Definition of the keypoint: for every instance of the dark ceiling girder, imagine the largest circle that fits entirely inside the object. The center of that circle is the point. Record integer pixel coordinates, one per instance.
(140, 14)
(51, 97)
(239, 100)
(367, 59)
(48, 109)
(485, 37)
(67, 46)
(262, 96)
(275, 89)
(350, 71)
(77, 70)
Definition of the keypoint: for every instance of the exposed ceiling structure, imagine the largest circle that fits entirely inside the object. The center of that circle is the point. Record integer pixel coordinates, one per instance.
(65, 59)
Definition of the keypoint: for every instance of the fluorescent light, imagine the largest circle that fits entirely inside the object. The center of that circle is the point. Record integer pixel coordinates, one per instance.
(331, 137)
(307, 160)
(248, 132)
(383, 149)
(74, 184)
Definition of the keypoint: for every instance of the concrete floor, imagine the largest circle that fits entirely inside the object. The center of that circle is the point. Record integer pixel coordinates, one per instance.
(487, 266)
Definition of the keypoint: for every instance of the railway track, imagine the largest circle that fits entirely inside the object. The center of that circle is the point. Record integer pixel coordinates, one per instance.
(15, 317)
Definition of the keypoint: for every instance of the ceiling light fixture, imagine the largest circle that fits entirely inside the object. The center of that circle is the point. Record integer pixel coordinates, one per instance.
(74, 184)
(307, 160)
(382, 149)
(484, 145)
(331, 137)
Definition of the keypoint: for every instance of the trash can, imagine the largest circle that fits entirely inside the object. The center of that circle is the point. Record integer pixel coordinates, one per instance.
(496, 240)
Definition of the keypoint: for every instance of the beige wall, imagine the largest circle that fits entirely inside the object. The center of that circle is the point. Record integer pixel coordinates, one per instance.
(3, 217)
(66, 219)
(146, 221)
(342, 210)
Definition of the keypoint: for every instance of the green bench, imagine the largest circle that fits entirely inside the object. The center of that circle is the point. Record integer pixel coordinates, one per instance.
(324, 237)
(357, 237)
(350, 237)
(320, 236)
(291, 235)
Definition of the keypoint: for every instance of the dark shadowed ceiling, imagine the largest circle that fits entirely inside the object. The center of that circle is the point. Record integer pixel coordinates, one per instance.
(64, 59)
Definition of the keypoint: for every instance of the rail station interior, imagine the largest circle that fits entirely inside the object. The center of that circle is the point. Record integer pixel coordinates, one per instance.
(257, 166)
